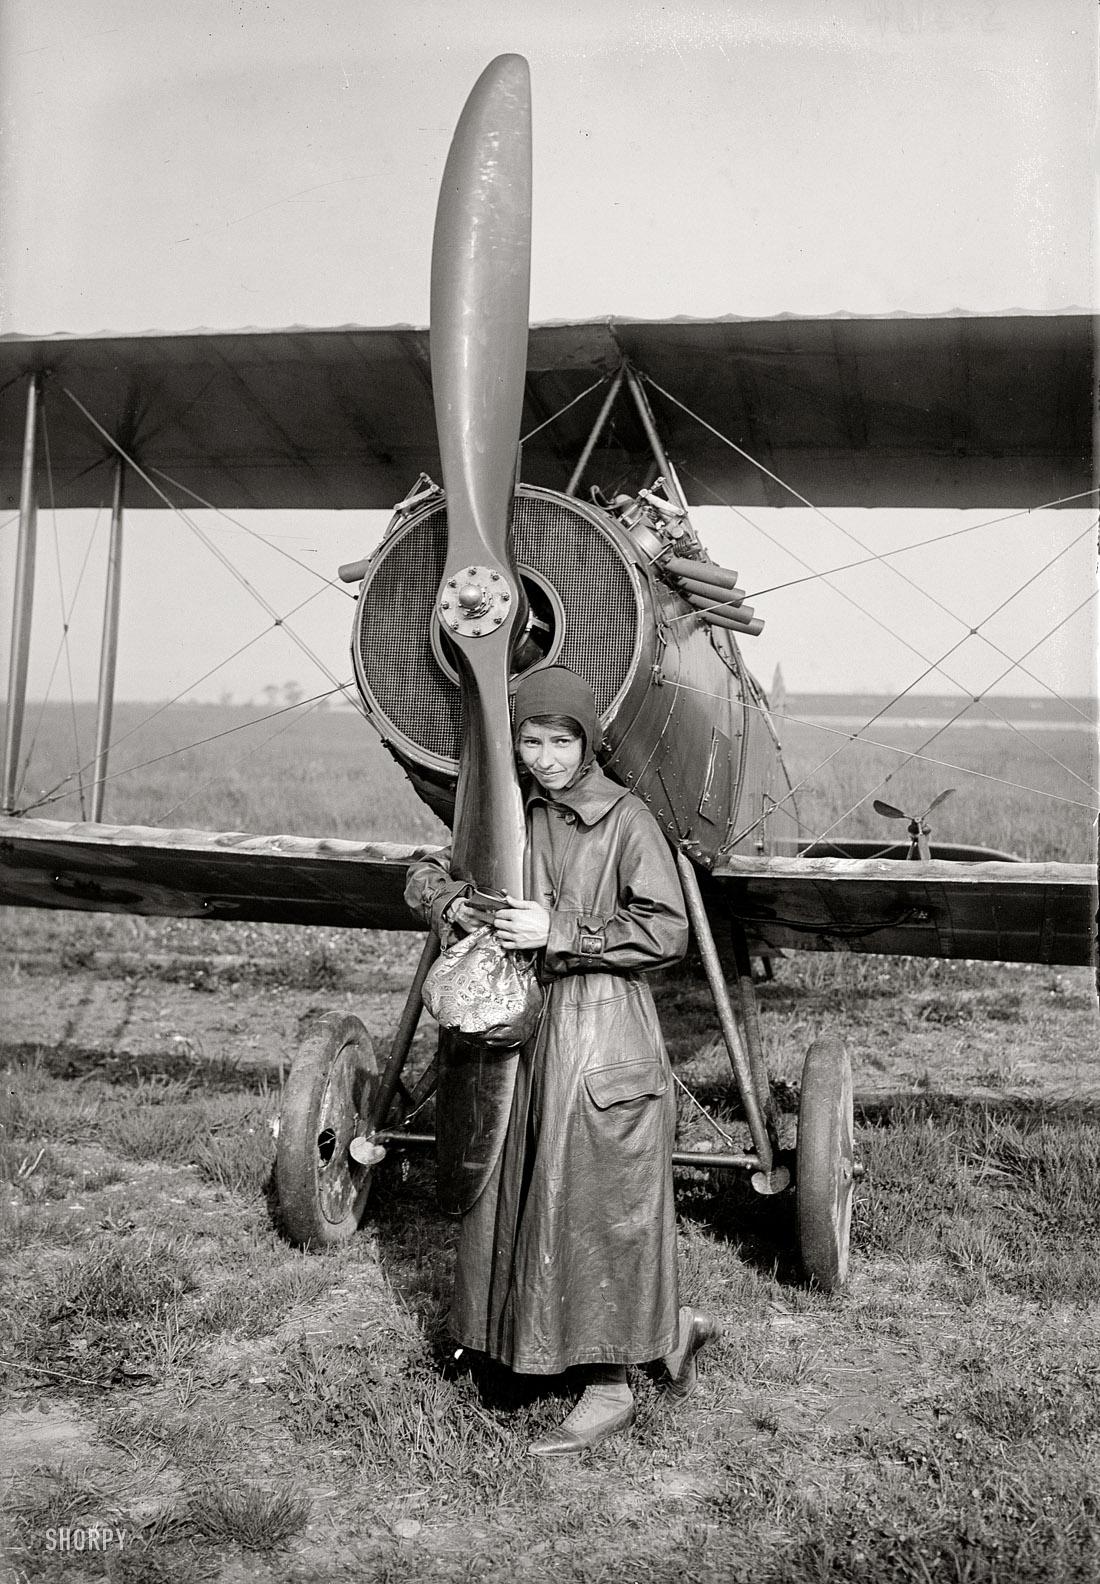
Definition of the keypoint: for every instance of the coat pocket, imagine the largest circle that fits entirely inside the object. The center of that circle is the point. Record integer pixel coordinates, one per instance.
(621, 1081)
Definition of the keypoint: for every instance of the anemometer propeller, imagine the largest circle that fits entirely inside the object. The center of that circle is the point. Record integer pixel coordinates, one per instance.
(919, 829)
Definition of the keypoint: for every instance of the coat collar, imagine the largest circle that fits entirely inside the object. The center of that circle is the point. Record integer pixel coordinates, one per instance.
(590, 798)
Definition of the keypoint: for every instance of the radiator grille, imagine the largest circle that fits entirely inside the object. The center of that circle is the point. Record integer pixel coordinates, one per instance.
(400, 675)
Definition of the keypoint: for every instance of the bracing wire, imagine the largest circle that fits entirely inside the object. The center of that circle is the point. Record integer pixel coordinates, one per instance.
(872, 742)
(848, 534)
(56, 794)
(554, 416)
(217, 553)
(919, 752)
(66, 617)
(931, 665)
(57, 790)
(885, 627)
(253, 533)
(307, 707)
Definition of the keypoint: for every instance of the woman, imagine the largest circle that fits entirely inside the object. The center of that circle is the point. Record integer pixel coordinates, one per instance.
(568, 1257)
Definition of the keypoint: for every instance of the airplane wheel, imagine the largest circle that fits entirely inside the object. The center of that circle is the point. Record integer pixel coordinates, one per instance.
(825, 1164)
(332, 1083)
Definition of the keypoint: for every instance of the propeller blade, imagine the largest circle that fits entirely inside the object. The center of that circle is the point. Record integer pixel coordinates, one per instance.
(888, 810)
(481, 269)
(936, 801)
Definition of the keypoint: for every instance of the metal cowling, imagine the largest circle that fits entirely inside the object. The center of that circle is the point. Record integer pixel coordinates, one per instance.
(561, 544)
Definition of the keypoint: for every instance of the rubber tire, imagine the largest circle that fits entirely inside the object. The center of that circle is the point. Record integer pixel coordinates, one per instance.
(823, 1181)
(331, 1085)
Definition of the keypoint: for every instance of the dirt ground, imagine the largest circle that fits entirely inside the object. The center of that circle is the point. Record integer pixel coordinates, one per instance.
(113, 999)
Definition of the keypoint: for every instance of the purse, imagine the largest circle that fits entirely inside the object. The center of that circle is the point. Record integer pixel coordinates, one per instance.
(477, 989)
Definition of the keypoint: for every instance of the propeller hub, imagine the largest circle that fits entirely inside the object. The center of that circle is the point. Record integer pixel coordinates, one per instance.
(475, 601)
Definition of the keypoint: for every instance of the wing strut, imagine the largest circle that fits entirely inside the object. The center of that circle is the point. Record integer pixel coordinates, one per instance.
(108, 654)
(22, 599)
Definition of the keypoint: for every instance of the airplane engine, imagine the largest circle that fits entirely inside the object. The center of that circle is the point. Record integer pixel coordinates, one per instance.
(685, 725)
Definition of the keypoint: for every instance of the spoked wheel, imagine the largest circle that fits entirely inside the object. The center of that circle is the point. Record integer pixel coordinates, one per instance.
(332, 1084)
(825, 1164)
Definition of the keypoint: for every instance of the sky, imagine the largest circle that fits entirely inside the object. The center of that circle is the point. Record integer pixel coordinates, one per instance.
(231, 162)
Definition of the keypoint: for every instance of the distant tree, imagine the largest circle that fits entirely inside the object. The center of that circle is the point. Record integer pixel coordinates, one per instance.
(271, 695)
(777, 697)
(292, 693)
(225, 698)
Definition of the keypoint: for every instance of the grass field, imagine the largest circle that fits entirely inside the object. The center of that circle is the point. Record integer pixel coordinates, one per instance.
(174, 1371)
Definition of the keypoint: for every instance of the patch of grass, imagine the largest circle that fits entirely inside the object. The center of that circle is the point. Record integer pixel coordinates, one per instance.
(249, 1516)
(257, 1306)
(111, 1309)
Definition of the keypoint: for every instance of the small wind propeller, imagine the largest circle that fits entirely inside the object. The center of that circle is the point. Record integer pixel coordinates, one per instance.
(919, 829)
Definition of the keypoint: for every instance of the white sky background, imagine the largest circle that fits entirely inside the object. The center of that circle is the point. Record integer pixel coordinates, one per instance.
(227, 164)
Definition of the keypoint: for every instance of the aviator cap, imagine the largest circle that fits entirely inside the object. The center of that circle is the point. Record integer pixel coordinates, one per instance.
(555, 690)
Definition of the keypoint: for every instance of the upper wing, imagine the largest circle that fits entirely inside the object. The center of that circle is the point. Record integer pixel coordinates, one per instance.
(998, 912)
(956, 410)
(204, 874)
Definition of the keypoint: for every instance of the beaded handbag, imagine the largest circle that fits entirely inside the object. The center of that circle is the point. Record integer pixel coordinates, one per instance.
(477, 989)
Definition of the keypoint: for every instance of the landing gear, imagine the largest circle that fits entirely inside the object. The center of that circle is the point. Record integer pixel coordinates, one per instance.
(825, 1164)
(332, 1087)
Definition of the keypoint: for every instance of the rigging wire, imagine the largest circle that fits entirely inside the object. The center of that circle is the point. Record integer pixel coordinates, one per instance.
(848, 534)
(554, 416)
(981, 697)
(57, 658)
(919, 752)
(253, 533)
(218, 554)
(56, 794)
(931, 665)
(310, 706)
(52, 793)
(873, 742)
(917, 544)
(66, 614)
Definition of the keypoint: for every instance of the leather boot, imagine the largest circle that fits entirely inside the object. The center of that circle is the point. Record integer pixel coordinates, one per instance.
(695, 1331)
(604, 1409)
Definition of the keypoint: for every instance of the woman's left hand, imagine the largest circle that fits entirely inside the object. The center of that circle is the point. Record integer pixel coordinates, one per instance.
(522, 925)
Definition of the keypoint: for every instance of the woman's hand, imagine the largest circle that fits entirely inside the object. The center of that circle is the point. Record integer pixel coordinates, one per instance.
(467, 918)
(522, 925)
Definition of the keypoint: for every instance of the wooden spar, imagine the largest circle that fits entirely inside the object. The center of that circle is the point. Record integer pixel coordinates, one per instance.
(597, 430)
(645, 413)
(108, 654)
(22, 601)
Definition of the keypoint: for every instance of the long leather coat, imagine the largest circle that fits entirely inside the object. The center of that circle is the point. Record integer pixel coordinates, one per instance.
(569, 1254)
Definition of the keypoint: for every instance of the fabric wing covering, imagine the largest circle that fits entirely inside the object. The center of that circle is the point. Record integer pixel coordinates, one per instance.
(959, 410)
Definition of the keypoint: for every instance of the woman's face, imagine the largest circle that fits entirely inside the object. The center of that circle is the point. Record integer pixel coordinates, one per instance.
(551, 754)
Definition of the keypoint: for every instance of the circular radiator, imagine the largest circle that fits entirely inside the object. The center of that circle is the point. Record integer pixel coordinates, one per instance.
(563, 542)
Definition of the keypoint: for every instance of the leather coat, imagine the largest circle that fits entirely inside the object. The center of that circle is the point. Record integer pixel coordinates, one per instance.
(568, 1255)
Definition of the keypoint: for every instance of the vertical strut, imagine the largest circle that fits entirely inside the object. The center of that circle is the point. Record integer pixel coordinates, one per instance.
(645, 413)
(597, 430)
(739, 1057)
(108, 654)
(22, 601)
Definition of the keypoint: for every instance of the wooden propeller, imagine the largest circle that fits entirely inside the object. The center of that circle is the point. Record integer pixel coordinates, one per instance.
(481, 272)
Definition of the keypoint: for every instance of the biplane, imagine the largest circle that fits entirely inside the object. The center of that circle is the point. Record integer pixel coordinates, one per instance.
(515, 559)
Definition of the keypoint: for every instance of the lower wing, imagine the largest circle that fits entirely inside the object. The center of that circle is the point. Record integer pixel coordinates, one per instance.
(1001, 912)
